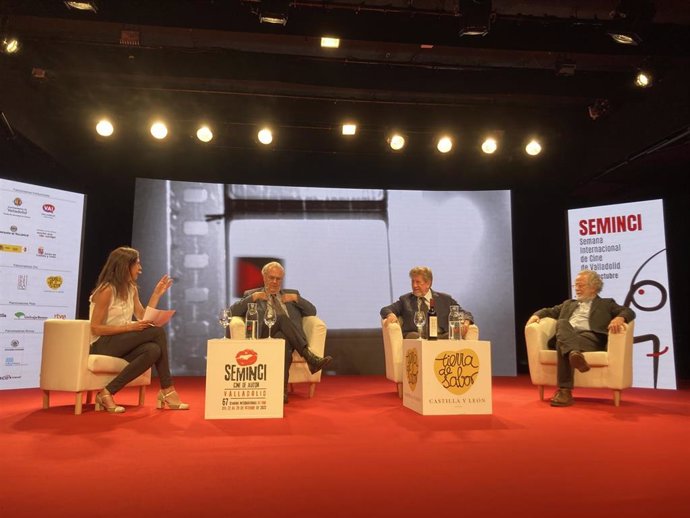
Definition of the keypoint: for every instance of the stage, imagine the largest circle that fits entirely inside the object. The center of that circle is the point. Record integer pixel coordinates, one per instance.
(352, 450)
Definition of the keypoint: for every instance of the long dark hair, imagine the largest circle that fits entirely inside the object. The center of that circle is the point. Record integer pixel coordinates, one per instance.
(116, 271)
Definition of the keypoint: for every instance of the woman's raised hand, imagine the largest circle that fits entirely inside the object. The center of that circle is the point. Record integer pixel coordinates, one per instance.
(163, 285)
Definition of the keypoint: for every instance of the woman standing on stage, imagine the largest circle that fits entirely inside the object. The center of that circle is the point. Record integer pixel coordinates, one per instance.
(113, 303)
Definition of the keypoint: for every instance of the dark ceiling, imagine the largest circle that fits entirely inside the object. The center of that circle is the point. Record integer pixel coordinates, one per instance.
(401, 64)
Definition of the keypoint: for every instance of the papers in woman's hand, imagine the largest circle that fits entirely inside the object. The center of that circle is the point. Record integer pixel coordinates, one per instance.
(159, 317)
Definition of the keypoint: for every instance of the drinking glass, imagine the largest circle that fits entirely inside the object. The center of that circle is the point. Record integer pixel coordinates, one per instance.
(269, 317)
(464, 321)
(419, 321)
(224, 320)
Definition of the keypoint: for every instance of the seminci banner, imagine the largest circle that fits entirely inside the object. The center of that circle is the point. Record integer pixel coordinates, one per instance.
(626, 245)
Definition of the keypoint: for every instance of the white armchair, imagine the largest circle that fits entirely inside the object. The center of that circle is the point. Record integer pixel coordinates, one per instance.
(66, 364)
(610, 369)
(315, 331)
(392, 350)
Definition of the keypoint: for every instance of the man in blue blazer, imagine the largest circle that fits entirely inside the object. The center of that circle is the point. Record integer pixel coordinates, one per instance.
(405, 307)
(583, 325)
(290, 308)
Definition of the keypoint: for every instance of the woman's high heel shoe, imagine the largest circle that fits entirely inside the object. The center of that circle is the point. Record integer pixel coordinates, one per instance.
(102, 402)
(163, 401)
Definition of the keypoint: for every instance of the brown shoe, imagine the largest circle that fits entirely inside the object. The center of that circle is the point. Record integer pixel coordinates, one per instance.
(563, 397)
(577, 361)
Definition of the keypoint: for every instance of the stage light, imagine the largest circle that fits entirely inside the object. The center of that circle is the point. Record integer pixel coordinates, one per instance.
(10, 45)
(643, 79)
(330, 43)
(104, 128)
(83, 6)
(625, 38)
(396, 142)
(444, 144)
(349, 129)
(489, 146)
(273, 11)
(629, 17)
(533, 148)
(159, 130)
(265, 136)
(204, 134)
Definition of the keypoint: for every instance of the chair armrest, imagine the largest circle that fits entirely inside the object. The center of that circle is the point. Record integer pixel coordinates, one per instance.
(392, 350)
(392, 334)
(315, 330)
(620, 353)
(537, 336)
(541, 332)
(65, 353)
(237, 330)
(472, 333)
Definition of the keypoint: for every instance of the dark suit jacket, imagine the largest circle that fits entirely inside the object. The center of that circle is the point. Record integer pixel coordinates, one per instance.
(600, 314)
(296, 310)
(406, 306)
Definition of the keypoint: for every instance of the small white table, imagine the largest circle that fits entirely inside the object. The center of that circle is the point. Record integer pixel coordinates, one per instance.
(447, 377)
(244, 378)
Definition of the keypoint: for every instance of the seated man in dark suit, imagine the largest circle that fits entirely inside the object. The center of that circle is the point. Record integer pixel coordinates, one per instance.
(407, 305)
(290, 307)
(583, 325)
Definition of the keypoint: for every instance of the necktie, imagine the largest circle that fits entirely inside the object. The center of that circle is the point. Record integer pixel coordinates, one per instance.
(277, 305)
(422, 305)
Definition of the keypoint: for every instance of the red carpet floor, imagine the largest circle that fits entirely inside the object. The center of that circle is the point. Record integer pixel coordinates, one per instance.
(353, 450)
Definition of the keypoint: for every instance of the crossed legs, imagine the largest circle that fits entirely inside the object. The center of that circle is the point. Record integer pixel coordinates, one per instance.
(142, 349)
(570, 344)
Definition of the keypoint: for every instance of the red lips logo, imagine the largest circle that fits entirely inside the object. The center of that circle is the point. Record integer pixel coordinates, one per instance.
(246, 357)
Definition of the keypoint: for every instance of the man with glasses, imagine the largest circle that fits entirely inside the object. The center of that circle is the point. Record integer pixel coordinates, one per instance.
(583, 325)
(290, 307)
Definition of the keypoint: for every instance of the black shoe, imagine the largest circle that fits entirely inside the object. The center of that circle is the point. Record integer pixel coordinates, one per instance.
(285, 398)
(577, 361)
(317, 363)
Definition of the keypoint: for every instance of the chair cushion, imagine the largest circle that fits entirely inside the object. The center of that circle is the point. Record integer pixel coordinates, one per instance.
(594, 358)
(105, 364)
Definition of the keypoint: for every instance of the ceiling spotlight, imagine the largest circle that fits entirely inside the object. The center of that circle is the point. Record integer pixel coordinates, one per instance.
(643, 79)
(10, 45)
(396, 142)
(265, 136)
(625, 38)
(349, 129)
(159, 130)
(104, 128)
(489, 146)
(204, 134)
(330, 43)
(628, 18)
(273, 11)
(533, 148)
(444, 144)
(83, 6)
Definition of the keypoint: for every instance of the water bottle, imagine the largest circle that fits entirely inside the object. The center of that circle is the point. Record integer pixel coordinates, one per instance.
(251, 320)
(454, 323)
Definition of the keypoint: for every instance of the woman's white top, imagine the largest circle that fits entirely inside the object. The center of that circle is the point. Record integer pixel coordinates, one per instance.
(120, 311)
